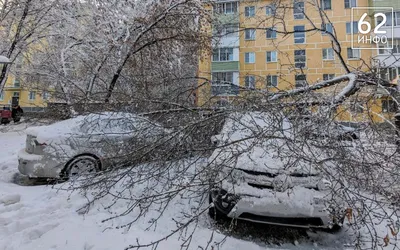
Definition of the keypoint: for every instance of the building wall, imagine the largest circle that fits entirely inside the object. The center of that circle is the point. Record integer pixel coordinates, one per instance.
(285, 46)
(24, 92)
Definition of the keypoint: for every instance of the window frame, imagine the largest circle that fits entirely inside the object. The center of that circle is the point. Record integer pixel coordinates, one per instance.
(250, 82)
(391, 106)
(296, 14)
(45, 95)
(297, 61)
(326, 30)
(327, 77)
(30, 96)
(270, 10)
(355, 28)
(272, 31)
(323, 7)
(248, 31)
(247, 57)
(249, 11)
(299, 32)
(227, 30)
(326, 54)
(223, 6)
(270, 82)
(303, 80)
(350, 4)
(273, 52)
(17, 80)
(226, 53)
(352, 54)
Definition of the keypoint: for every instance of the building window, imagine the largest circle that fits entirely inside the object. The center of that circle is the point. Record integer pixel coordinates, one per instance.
(19, 62)
(32, 95)
(222, 84)
(222, 78)
(17, 82)
(388, 74)
(300, 81)
(298, 9)
(351, 25)
(223, 54)
(272, 81)
(392, 19)
(300, 58)
(272, 56)
(270, 33)
(299, 34)
(326, 4)
(328, 54)
(327, 77)
(15, 94)
(270, 10)
(45, 95)
(357, 108)
(353, 53)
(226, 8)
(383, 49)
(327, 28)
(389, 106)
(249, 11)
(249, 57)
(250, 34)
(1, 96)
(250, 82)
(229, 30)
(350, 4)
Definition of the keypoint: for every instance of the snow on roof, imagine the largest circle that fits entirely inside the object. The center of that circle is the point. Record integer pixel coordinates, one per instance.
(101, 123)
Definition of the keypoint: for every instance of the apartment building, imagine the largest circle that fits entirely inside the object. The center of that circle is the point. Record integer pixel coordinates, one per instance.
(17, 91)
(255, 47)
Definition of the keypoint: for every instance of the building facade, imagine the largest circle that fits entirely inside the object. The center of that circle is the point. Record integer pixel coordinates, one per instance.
(17, 90)
(258, 45)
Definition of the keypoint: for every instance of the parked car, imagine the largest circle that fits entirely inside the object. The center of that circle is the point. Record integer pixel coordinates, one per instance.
(5, 115)
(320, 128)
(86, 144)
(264, 176)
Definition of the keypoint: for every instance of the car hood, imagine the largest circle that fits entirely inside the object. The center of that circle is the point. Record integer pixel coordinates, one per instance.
(260, 143)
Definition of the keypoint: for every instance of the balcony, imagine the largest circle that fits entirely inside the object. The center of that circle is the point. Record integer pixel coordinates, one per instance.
(385, 3)
(224, 90)
(13, 87)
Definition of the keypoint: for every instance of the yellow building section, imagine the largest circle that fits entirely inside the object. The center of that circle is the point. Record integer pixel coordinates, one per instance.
(29, 99)
(285, 46)
(277, 61)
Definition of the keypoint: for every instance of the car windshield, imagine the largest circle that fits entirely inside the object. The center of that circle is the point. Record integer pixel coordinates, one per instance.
(116, 123)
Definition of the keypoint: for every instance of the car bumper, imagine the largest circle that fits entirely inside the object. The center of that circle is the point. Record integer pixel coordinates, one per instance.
(301, 208)
(37, 166)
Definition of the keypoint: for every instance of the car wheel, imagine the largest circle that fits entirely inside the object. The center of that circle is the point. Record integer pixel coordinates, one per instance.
(214, 212)
(81, 165)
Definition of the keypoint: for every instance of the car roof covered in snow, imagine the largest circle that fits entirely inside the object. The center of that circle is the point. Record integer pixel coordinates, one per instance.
(261, 142)
(96, 123)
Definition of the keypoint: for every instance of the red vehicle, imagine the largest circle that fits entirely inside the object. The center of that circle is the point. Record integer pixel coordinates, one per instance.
(5, 115)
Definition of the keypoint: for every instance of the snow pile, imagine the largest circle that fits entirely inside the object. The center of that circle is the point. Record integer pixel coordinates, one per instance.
(47, 218)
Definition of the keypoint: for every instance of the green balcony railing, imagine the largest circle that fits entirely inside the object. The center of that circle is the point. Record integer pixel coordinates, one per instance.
(225, 66)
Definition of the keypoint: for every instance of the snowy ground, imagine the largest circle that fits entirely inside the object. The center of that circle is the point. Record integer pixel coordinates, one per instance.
(44, 217)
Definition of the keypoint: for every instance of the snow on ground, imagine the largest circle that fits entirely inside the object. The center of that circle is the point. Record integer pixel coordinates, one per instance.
(47, 218)
(44, 217)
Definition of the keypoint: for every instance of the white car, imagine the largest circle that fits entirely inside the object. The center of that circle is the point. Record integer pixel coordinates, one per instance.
(85, 144)
(263, 178)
